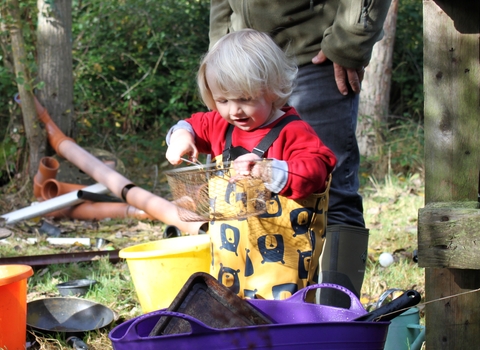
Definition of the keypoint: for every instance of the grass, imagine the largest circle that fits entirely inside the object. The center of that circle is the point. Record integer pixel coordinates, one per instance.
(114, 289)
(391, 214)
(391, 209)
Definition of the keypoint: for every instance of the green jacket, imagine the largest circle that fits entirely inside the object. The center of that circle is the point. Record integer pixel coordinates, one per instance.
(345, 30)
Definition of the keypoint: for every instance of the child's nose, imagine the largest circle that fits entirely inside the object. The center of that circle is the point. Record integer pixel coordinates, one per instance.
(235, 109)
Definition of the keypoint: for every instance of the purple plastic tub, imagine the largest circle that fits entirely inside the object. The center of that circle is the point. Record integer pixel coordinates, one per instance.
(134, 334)
(299, 325)
(296, 310)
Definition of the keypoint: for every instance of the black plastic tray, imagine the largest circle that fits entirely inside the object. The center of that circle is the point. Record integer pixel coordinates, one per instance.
(204, 298)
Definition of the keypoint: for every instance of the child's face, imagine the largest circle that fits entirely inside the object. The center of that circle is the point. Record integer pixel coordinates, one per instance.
(245, 113)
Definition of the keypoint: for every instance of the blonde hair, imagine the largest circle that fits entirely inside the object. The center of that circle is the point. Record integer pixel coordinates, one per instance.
(247, 64)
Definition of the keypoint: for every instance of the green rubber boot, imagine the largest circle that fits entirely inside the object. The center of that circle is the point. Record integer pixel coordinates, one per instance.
(342, 262)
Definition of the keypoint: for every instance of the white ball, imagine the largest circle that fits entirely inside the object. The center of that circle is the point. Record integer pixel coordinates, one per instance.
(385, 259)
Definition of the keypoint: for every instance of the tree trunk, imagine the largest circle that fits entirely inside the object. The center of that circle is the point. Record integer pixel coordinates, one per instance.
(375, 96)
(54, 47)
(35, 137)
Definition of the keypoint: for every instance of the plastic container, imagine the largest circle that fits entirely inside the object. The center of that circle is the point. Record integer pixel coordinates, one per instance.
(405, 332)
(159, 269)
(210, 302)
(134, 334)
(296, 310)
(13, 306)
(297, 325)
(75, 287)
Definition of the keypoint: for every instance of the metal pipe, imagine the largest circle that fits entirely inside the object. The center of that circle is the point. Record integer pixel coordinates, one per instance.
(61, 258)
(96, 197)
(50, 205)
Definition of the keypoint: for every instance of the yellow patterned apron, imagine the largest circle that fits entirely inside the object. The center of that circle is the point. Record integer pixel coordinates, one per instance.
(271, 255)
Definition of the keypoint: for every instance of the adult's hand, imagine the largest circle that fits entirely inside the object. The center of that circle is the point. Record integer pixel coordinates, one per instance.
(343, 76)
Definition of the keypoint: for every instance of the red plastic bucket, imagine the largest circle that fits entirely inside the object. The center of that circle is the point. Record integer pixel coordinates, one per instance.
(13, 306)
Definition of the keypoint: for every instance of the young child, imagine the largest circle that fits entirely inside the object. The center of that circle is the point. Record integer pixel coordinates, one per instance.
(246, 80)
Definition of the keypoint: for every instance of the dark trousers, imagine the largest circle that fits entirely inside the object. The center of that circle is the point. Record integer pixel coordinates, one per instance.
(334, 118)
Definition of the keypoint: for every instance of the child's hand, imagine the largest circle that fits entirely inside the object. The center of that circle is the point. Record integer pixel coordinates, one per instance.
(181, 143)
(244, 165)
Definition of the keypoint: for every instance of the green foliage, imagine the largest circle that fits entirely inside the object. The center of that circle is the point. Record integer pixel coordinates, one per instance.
(8, 81)
(402, 149)
(407, 78)
(405, 146)
(7, 150)
(402, 134)
(135, 63)
(12, 138)
(7, 89)
(11, 141)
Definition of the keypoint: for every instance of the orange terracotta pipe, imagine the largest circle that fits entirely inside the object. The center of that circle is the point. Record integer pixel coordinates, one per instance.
(47, 169)
(55, 135)
(52, 188)
(158, 207)
(99, 211)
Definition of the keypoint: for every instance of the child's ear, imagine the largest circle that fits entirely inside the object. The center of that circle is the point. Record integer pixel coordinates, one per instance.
(272, 98)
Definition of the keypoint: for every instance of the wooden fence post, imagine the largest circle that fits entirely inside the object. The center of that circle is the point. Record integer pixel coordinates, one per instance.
(449, 225)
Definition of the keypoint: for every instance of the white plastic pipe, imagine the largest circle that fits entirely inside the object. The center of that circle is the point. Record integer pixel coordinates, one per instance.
(50, 205)
(63, 240)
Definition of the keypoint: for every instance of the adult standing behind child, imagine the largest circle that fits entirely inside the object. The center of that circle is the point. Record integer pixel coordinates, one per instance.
(332, 41)
(245, 80)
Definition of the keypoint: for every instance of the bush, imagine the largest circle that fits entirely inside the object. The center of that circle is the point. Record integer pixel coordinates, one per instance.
(406, 97)
(135, 63)
(12, 139)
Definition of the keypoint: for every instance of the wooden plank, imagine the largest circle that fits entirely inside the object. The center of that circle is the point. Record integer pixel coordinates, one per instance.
(452, 99)
(452, 323)
(452, 159)
(449, 236)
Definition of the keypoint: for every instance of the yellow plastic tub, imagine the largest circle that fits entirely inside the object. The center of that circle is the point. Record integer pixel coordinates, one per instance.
(160, 269)
(13, 306)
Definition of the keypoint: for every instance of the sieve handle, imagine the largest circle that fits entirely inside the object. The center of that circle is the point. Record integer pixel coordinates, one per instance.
(196, 162)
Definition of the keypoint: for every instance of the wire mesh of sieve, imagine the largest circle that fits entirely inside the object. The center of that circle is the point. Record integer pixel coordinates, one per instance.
(213, 192)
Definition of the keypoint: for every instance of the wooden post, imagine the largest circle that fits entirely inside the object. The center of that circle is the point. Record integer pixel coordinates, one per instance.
(449, 231)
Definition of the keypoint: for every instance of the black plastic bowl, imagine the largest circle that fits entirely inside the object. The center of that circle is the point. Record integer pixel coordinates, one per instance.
(75, 287)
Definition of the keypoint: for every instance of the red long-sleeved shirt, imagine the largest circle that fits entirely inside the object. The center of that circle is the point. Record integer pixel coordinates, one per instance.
(309, 160)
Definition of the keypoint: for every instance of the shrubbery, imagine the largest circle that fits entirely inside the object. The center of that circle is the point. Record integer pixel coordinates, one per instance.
(135, 63)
